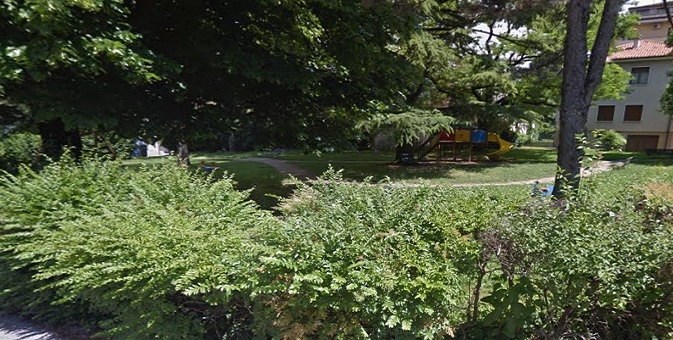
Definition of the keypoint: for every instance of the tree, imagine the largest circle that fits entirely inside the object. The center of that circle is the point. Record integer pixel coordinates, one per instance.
(70, 64)
(289, 73)
(497, 62)
(277, 73)
(581, 77)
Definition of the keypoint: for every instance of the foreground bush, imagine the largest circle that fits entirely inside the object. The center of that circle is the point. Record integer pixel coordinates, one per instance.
(161, 253)
(108, 244)
(601, 268)
(164, 253)
(375, 261)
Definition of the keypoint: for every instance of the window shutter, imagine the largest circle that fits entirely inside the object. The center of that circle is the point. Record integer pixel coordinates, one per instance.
(606, 113)
(633, 113)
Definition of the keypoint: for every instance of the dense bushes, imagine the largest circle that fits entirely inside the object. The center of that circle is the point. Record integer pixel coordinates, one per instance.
(599, 269)
(376, 261)
(17, 149)
(106, 145)
(124, 247)
(160, 252)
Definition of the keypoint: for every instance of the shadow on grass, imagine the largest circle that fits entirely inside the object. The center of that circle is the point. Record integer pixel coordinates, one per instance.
(262, 180)
(444, 173)
(531, 155)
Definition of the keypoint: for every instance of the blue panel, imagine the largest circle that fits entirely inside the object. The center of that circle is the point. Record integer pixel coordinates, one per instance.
(478, 136)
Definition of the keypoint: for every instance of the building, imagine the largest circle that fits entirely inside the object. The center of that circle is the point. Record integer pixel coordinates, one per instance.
(653, 24)
(638, 116)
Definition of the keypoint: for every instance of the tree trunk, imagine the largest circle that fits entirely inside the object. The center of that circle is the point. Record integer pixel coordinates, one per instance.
(232, 142)
(579, 85)
(55, 138)
(183, 154)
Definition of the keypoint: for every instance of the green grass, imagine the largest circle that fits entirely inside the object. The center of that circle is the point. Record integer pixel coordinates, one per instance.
(520, 164)
(197, 157)
(439, 173)
(530, 154)
(638, 157)
(264, 180)
(261, 179)
(365, 156)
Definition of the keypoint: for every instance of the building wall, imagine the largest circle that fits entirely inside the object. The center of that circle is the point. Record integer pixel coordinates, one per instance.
(653, 121)
(650, 16)
(650, 31)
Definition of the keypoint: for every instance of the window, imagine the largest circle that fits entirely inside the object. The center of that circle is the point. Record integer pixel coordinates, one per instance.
(606, 113)
(633, 113)
(639, 75)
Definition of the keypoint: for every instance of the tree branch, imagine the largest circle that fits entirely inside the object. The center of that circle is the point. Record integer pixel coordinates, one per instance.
(523, 43)
(487, 43)
(599, 52)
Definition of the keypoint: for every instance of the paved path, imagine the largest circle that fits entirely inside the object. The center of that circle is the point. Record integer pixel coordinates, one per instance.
(15, 328)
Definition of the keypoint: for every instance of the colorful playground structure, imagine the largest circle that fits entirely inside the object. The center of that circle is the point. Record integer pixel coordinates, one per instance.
(461, 140)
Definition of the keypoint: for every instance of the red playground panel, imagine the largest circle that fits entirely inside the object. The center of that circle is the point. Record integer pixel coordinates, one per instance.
(446, 137)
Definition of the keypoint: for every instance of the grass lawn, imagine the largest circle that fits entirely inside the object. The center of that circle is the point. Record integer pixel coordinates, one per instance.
(520, 164)
(523, 164)
(264, 180)
(530, 154)
(261, 178)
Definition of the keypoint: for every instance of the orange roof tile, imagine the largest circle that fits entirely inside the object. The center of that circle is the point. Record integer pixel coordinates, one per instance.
(645, 49)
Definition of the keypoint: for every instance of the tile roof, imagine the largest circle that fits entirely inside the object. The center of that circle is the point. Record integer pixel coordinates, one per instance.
(645, 49)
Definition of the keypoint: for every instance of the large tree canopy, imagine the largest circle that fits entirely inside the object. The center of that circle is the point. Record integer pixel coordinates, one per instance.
(271, 73)
(273, 69)
(279, 69)
(499, 62)
(72, 64)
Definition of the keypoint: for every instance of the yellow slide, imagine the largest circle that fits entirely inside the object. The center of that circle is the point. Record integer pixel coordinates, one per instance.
(505, 146)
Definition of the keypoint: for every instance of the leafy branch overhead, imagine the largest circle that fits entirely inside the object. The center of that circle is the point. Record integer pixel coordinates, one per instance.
(289, 73)
(410, 126)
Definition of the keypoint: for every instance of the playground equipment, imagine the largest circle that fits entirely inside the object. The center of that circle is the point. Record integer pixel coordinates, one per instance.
(475, 141)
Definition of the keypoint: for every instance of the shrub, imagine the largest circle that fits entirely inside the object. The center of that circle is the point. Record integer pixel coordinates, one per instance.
(600, 268)
(19, 149)
(609, 140)
(160, 252)
(373, 261)
(151, 253)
